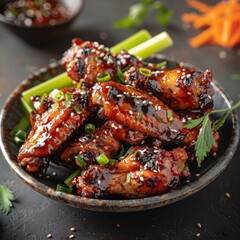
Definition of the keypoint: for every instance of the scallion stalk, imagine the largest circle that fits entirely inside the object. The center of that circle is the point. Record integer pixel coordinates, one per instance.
(68, 181)
(63, 188)
(152, 46)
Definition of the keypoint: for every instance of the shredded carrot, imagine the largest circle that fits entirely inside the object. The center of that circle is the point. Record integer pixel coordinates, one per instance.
(222, 22)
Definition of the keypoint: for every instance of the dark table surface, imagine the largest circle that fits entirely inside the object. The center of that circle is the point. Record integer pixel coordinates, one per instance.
(35, 216)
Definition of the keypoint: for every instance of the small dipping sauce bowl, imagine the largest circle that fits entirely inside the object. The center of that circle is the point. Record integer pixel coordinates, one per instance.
(39, 21)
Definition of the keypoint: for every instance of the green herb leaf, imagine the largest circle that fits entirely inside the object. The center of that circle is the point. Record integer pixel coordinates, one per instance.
(43, 98)
(6, 198)
(193, 123)
(55, 106)
(205, 140)
(120, 75)
(138, 12)
(162, 64)
(164, 15)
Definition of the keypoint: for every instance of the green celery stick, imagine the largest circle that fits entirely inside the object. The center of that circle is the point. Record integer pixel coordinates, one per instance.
(60, 81)
(134, 40)
(154, 45)
(63, 80)
(26, 105)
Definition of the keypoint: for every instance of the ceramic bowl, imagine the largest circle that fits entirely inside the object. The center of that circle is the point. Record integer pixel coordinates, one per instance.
(43, 34)
(201, 176)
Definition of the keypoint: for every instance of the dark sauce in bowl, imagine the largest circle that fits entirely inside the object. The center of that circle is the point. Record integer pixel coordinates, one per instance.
(30, 13)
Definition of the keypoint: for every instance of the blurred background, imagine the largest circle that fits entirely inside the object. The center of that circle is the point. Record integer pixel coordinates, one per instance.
(34, 216)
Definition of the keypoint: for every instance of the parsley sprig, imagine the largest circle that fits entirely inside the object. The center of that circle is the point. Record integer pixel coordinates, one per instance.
(138, 12)
(6, 198)
(205, 138)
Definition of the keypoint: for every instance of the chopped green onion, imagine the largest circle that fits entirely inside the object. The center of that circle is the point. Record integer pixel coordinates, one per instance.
(63, 188)
(57, 95)
(20, 137)
(68, 181)
(102, 159)
(132, 41)
(80, 161)
(89, 128)
(55, 106)
(67, 103)
(140, 115)
(170, 116)
(112, 161)
(145, 72)
(80, 84)
(43, 98)
(104, 77)
(77, 109)
(68, 96)
(162, 64)
(23, 124)
(152, 46)
(128, 178)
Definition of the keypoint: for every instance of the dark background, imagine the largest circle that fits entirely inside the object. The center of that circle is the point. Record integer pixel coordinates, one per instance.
(34, 216)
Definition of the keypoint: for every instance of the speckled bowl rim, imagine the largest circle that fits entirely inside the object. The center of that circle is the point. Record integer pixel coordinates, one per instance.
(126, 205)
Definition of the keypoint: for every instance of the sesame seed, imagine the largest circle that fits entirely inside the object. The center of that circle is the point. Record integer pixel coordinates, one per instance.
(49, 235)
(210, 97)
(102, 55)
(72, 229)
(97, 52)
(54, 174)
(197, 175)
(93, 50)
(119, 95)
(71, 236)
(130, 112)
(199, 225)
(222, 54)
(178, 71)
(227, 195)
(47, 176)
(198, 235)
(189, 93)
(118, 225)
(141, 179)
(101, 47)
(189, 75)
(99, 182)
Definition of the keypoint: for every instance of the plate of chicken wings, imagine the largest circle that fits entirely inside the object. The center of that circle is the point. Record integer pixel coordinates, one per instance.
(120, 126)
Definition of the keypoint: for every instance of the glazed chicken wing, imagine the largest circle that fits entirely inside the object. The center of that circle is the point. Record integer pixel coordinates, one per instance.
(143, 172)
(181, 89)
(49, 131)
(89, 146)
(137, 110)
